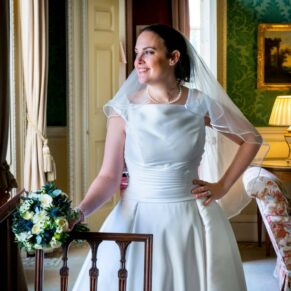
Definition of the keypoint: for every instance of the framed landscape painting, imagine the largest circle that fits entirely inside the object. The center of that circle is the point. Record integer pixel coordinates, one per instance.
(274, 56)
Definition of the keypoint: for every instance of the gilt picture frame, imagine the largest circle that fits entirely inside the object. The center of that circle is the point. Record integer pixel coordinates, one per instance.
(274, 56)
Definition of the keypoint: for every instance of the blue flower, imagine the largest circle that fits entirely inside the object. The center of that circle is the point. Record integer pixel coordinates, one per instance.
(56, 192)
(54, 212)
(38, 239)
(36, 209)
(48, 234)
(29, 225)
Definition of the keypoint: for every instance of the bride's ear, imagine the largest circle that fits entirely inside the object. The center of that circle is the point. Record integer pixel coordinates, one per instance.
(174, 57)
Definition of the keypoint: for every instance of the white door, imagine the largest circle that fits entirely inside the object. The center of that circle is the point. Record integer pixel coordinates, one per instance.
(103, 62)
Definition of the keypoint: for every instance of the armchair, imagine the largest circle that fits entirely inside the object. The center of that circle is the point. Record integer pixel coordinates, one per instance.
(273, 203)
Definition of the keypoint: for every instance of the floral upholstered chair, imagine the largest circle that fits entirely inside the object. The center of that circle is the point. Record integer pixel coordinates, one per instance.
(274, 203)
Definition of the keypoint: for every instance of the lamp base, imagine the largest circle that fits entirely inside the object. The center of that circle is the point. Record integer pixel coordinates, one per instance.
(287, 137)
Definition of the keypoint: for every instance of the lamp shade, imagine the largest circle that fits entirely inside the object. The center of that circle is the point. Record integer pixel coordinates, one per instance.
(281, 112)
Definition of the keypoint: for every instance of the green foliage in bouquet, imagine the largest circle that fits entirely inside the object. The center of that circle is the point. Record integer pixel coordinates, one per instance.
(41, 220)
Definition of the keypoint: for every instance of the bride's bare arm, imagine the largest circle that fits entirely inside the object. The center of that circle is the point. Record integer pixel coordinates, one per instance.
(244, 156)
(108, 179)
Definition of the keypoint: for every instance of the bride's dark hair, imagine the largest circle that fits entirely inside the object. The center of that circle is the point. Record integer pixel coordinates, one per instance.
(173, 40)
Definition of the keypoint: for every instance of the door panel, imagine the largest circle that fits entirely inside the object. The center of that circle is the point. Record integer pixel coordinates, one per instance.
(103, 62)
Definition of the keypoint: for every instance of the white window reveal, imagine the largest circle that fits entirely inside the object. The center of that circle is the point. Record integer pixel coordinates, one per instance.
(203, 30)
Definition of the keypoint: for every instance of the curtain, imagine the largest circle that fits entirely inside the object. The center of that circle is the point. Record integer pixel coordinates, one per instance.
(39, 165)
(180, 16)
(7, 181)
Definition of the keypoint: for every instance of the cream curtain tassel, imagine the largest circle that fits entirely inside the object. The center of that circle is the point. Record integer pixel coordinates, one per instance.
(52, 175)
(47, 158)
(49, 165)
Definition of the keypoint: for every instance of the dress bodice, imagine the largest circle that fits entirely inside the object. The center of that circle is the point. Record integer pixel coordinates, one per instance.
(159, 134)
(163, 149)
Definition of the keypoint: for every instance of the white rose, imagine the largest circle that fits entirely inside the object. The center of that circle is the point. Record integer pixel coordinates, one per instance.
(36, 229)
(59, 230)
(46, 200)
(62, 223)
(55, 243)
(24, 207)
(33, 195)
(28, 246)
(27, 215)
(40, 217)
(23, 236)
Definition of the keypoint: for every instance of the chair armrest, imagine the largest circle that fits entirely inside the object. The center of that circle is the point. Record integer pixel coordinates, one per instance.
(263, 185)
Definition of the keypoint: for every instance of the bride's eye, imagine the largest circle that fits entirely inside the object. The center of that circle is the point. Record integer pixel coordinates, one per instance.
(149, 52)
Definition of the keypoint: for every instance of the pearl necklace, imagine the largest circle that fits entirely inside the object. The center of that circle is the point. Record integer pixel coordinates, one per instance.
(156, 101)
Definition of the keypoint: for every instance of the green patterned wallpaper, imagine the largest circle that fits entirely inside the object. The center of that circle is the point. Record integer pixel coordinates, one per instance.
(243, 17)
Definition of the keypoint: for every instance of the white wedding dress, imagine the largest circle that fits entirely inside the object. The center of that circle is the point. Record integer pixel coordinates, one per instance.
(194, 248)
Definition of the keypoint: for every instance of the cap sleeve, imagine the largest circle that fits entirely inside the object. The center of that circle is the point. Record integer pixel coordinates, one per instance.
(223, 117)
(201, 104)
(115, 109)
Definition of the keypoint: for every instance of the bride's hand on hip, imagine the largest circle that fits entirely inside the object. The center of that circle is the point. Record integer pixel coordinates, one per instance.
(208, 191)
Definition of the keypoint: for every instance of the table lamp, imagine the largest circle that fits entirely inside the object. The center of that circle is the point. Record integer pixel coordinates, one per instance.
(281, 116)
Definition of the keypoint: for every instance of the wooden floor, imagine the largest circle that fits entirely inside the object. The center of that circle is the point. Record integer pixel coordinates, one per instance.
(52, 264)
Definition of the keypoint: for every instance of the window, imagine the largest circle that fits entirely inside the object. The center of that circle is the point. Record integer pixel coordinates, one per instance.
(203, 30)
(195, 26)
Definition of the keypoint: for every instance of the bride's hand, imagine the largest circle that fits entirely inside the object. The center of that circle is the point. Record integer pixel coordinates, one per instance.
(78, 217)
(209, 191)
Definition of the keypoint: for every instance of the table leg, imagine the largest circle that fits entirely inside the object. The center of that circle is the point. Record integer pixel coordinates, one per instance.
(259, 226)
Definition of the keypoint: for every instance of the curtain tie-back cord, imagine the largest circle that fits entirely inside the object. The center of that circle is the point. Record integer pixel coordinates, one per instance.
(49, 165)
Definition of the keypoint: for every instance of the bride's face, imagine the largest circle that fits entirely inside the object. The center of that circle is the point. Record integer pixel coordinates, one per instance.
(152, 63)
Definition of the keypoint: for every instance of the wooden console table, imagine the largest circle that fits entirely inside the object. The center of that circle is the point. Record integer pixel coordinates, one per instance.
(278, 167)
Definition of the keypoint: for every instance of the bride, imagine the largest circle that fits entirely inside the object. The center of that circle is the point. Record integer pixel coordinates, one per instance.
(157, 128)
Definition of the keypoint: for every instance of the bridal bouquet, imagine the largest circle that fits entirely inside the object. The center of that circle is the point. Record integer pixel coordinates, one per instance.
(41, 221)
